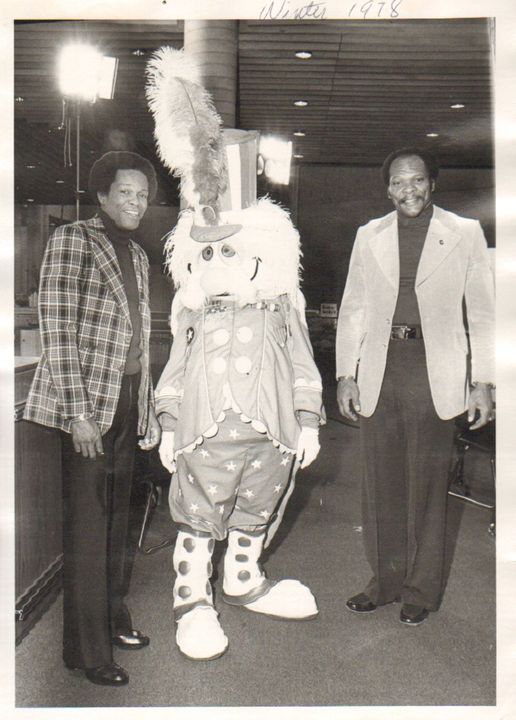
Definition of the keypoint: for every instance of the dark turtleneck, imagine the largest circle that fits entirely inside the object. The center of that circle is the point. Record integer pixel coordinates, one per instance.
(411, 237)
(119, 238)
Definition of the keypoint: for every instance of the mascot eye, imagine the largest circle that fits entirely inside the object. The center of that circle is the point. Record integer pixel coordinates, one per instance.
(207, 253)
(227, 251)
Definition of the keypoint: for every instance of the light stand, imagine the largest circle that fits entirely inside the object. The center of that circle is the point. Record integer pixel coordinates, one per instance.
(77, 158)
(84, 75)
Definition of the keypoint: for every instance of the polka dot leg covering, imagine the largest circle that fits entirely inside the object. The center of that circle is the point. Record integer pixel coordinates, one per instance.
(199, 635)
(243, 577)
(245, 583)
(192, 563)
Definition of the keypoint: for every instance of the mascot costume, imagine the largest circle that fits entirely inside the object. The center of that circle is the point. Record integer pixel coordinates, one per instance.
(240, 399)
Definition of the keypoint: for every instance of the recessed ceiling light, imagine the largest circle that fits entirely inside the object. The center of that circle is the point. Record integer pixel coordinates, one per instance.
(138, 52)
(299, 133)
(457, 106)
(432, 134)
(303, 54)
(301, 103)
(30, 167)
(19, 99)
(298, 156)
(59, 182)
(30, 199)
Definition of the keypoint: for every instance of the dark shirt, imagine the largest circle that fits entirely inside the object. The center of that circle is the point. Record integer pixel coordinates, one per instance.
(411, 237)
(119, 238)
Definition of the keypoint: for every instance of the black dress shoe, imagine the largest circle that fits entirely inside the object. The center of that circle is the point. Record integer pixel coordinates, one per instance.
(111, 674)
(413, 614)
(361, 603)
(130, 640)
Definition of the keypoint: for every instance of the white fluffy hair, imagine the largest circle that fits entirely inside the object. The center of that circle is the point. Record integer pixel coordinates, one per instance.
(267, 233)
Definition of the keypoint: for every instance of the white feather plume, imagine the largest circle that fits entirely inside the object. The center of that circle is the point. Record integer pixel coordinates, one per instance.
(187, 126)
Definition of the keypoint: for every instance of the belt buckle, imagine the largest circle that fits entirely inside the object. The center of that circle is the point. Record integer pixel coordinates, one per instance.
(404, 332)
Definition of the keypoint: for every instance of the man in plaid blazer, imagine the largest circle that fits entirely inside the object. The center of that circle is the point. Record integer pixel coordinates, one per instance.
(93, 383)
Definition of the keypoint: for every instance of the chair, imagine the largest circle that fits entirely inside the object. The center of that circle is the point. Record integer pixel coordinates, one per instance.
(484, 440)
(147, 495)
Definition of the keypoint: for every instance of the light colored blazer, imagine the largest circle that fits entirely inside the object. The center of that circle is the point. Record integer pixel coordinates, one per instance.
(85, 329)
(454, 265)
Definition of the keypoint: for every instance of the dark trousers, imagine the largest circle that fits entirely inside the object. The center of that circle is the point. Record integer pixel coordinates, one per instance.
(96, 499)
(406, 450)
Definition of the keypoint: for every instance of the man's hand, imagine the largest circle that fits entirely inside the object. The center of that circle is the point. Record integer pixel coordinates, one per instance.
(348, 398)
(166, 451)
(307, 446)
(86, 438)
(480, 399)
(153, 434)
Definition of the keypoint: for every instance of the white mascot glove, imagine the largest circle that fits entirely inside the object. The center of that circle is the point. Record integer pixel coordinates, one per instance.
(308, 446)
(166, 450)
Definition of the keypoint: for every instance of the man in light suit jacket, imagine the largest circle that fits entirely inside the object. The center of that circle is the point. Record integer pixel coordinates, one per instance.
(93, 383)
(402, 363)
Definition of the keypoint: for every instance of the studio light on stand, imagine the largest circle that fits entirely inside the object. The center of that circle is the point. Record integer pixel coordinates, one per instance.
(84, 76)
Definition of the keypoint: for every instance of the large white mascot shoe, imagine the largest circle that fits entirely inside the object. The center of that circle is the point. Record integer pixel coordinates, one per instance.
(199, 635)
(245, 584)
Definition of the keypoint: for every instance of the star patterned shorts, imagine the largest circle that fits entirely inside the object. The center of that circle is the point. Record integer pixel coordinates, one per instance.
(234, 480)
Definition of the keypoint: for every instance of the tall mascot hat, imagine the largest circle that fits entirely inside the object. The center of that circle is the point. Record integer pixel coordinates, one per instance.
(255, 239)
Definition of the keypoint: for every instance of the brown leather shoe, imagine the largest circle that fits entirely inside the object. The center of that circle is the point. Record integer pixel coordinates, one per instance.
(361, 603)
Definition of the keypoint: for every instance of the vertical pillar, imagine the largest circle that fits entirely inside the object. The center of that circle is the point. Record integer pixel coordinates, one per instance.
(214, 44)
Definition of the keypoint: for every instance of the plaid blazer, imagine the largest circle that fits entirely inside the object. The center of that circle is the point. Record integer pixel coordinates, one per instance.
(86, 330)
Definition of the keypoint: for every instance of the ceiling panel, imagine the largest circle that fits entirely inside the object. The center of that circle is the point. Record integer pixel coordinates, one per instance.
(370, 86)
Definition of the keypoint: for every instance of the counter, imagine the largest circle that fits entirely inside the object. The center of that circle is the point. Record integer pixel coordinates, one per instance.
(38, 534)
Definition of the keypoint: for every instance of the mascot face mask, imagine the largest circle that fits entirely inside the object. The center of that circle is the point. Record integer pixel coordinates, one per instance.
(225, 270)
(260, 260)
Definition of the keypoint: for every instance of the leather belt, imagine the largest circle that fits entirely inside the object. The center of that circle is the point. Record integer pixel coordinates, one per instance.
(406, 332)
